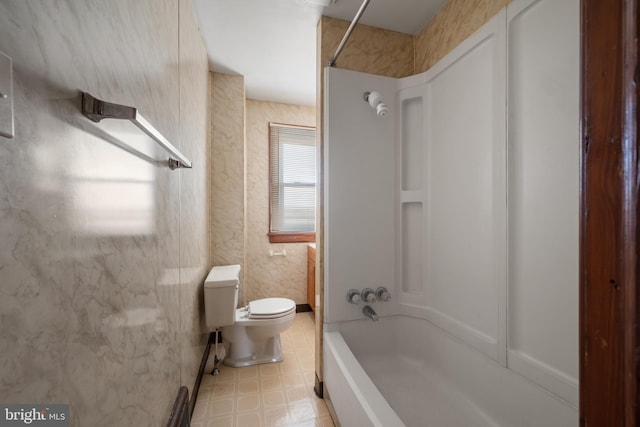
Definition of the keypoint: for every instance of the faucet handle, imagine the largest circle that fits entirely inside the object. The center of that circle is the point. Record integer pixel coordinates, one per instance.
(383, 294)
(368, 295)
(353, 296)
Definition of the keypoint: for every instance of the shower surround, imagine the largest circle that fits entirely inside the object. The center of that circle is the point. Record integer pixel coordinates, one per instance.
(464, 203)
(388, 53)
(102, 250)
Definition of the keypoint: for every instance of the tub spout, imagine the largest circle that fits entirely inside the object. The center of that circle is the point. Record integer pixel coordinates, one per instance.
(370, 313)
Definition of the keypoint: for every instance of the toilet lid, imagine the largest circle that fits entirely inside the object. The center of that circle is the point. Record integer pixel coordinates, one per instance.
(270, 308)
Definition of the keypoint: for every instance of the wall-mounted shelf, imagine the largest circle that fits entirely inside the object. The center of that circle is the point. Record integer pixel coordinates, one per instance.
(96, 110)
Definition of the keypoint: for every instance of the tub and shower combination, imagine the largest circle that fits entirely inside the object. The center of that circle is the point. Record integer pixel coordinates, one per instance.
(462, 200)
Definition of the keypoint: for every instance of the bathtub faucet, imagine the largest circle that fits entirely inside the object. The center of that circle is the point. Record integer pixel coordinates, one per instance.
(369, 312)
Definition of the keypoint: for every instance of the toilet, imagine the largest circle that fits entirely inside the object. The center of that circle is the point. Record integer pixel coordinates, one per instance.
(250, 334)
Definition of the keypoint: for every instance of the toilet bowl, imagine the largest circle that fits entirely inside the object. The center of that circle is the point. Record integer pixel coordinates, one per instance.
(254, 338)
(250, 334)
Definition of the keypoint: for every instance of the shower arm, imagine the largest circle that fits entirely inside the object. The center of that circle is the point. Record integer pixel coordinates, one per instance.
(332, 61)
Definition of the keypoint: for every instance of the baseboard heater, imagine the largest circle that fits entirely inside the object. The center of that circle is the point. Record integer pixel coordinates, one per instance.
(180, 414)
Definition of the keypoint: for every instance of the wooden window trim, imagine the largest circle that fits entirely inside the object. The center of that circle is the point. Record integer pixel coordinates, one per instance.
(275, 237)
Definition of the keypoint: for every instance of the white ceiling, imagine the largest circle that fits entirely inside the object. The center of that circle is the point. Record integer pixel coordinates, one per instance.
(272, 43)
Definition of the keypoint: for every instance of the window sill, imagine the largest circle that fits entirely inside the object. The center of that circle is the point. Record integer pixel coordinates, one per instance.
(292, 237)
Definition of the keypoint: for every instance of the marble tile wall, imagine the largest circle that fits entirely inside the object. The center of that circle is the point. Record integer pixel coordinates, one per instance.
(369, 49)
(270, 276)
(456, 21)
(195, 128)
(102, 247)
(228, 163)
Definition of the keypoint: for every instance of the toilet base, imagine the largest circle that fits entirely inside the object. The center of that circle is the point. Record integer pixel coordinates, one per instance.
(247, 353)
(239, 363)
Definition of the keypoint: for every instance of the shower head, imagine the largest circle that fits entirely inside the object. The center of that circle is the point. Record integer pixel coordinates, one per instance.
(374, 99)
(382, 109)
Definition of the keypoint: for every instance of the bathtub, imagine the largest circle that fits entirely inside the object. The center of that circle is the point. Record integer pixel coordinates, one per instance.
(403, 371)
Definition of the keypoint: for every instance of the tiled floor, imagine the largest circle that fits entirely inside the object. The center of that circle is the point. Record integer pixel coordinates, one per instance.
(275, 394)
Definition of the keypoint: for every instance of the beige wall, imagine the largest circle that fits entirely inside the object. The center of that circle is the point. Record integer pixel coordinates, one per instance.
(456, 21)
(369, 49)
(228, 163)
(270, 276)
(240, 192)
(389, 53)
(103, 249)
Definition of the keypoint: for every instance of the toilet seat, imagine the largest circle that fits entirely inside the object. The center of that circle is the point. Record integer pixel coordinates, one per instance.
(270, 308)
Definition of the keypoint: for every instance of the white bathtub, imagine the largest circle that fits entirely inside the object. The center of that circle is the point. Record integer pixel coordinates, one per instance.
(403, 371)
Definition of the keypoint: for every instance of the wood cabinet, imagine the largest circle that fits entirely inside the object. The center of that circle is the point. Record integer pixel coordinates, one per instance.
(311, 277)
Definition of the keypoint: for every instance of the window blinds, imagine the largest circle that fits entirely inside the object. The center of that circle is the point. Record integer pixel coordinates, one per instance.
(292, 159)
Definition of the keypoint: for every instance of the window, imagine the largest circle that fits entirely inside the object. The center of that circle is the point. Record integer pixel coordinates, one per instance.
(292, 183)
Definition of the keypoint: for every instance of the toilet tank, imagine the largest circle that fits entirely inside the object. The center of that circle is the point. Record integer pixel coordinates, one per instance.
(221, 295)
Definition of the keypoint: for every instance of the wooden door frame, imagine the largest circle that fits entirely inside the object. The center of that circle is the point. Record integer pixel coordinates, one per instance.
(609, 214)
